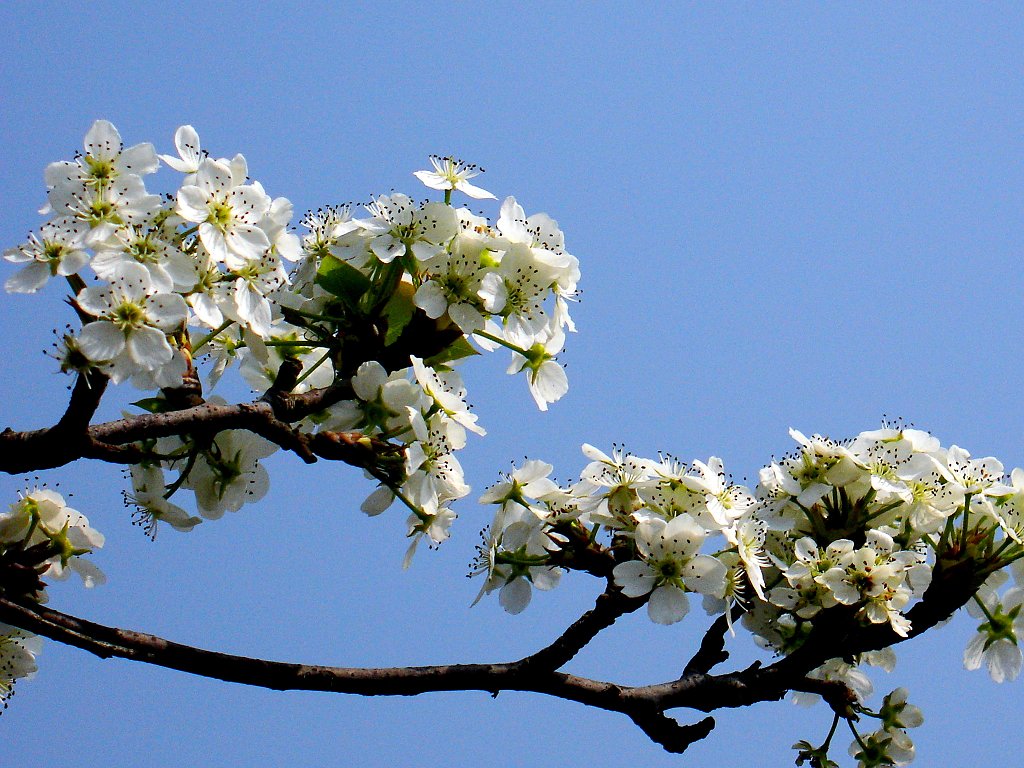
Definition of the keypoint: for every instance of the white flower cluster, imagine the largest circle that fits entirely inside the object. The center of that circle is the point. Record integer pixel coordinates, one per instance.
(41, 519)
(160, 279)
(40, 536)
(857, 523)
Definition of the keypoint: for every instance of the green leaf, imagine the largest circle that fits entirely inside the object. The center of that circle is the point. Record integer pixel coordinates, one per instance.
(152, 404)
(457, 350)
(342, 280)
(398, 311)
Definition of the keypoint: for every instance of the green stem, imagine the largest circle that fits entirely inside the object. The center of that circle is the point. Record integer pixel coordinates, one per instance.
(831, 732)
(857, 735)
(212, 335)
(967, 517)
(984, 609)
(501, 341)
(887, 508)
(511, 558)
(814, 519)
(290, 343)
(312, 368)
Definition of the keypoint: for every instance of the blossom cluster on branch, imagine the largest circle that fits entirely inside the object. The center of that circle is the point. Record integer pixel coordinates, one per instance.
(350, 333)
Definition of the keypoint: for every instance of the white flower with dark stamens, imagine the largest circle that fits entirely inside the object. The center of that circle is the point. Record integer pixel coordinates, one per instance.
(123, 200)
(531, 480)
(450, 173)
(190, 153)
(169, 269)
(539, 232)
(435, 528)
(1008, 512)
(623, 474)
(519, 296)
(105, 159)
(57, 250)
(669, 566)
(228, 214)
(212, 287)
(974, 476)
(544, 376)
(275, 223)
(385, 401)
(432, 470)
(147, 497)
(399, 225)
(726, 503)
(748, 538)
(451, 284)
(997, 640)
(228, 474)
(326, 226)
(18, 651)
(247, 301)
(446, 388)
(43, 516)
(131, 324)
(667, 494)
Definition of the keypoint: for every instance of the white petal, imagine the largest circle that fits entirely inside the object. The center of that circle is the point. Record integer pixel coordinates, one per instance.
(377, 501)
(149, 348)
(101, 341)
(515, 596)
(475, 192)
(431, 299)
(103, 141)
(667, 605)
(28, 279)
(247, 241)
(166, 311)
(193, 204)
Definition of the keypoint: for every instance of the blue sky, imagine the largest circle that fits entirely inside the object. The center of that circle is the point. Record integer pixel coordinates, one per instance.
(802, 215)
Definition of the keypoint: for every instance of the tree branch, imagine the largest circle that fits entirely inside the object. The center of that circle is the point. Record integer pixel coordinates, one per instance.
(645, 705)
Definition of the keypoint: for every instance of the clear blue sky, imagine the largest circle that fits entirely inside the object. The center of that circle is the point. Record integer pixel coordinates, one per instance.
(804, 215)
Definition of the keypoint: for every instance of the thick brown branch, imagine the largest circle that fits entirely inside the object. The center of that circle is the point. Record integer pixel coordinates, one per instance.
(56, 446)
(644, 705)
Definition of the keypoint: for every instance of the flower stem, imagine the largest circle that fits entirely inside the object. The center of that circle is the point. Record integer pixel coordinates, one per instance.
(212, 335)
(501, 341)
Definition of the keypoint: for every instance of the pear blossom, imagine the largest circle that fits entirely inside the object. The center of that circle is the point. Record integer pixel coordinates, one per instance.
(168, 269)
(228, 474)
(432, 471)
(59, 249)
(41, 516)
(131, 326)
(228, 214)
(190, 153)
(997, 639)
(399, 225)
(124, 200)
(384, 402)
(104, 161)
(18, 651)
(545, 377)
(447, 390)
(151, 508)
(452, 174)
(669, 566)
